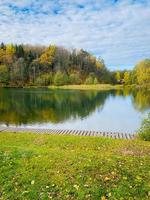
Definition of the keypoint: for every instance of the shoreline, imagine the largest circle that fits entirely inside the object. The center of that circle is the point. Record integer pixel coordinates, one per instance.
(76, 87)
(88, 87)
(98, 87)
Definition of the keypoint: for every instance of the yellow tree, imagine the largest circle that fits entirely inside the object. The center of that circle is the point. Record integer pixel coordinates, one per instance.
(142, 71)
(10, 59)
(118, 76)
(9, 54)
(47, 58)
(126, 78)
(2, 55)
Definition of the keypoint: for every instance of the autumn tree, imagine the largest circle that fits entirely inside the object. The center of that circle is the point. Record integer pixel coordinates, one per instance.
(118, 76)
(126, 78)
(142, 70)
(10, 59)
(39, 65)
(3, 74)
(48, 57)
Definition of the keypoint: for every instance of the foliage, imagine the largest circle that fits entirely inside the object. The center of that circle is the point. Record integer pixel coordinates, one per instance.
(47, 58)
(118, 76)
(90, 79)
(60, 78)
(95, 81)
(144, 131)
(68, 167)
(75, 78)
(142, 70)
(3, 74)
(44, 79)
(27, 65)
(127, 79)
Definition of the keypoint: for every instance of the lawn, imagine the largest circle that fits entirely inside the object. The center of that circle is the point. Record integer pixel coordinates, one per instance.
(55, 167)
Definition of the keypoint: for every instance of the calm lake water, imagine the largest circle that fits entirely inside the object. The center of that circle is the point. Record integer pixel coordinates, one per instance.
(71, 109)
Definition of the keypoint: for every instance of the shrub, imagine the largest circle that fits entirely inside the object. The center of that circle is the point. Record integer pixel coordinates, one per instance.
(60, 79)
(3, 74)
(95, 81)
(44, 79)
(75, 78)
(144, 131)
(91, 79)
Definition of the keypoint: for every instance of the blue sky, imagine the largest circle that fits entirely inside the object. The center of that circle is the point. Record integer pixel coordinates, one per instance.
(116, 30)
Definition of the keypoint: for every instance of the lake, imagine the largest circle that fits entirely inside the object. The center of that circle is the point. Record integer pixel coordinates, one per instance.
(116, 110)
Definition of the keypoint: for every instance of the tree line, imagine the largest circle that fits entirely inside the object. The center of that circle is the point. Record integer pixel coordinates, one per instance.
(27, 65)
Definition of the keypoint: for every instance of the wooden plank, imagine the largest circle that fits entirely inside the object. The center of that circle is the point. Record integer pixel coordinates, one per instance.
(114, 135)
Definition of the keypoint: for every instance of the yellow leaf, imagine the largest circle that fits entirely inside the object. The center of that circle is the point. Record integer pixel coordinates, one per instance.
(32, 182)
(103, 198)
(106, 178)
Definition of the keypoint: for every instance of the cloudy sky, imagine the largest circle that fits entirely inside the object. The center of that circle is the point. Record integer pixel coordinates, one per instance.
(116, 30)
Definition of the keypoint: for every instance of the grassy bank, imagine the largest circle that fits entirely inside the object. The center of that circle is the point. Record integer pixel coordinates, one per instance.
(74, 87)
(68, 167)
(88, 87)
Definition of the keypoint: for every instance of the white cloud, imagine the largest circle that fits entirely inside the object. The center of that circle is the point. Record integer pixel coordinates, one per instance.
(118, 32)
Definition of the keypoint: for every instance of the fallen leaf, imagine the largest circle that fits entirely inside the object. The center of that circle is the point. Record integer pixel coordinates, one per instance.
(32, 182)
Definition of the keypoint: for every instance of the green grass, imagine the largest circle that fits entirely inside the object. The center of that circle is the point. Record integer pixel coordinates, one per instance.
(71, 167)
(88, 87)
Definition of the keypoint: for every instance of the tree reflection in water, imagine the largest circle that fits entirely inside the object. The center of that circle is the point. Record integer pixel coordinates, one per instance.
(29, 106)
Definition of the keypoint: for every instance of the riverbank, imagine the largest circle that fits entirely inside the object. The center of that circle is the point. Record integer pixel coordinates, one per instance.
(74, 87)
(67, 167)
(98, 87)
(88, 87)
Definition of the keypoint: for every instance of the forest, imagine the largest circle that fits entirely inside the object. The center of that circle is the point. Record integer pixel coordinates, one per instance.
(28, 65)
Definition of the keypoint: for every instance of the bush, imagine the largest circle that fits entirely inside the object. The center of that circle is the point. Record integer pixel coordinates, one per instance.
(144, 131)
(91, 79)
(3, 74)
(61, 79)
(75, 78)
(95, 81)
(44, 79)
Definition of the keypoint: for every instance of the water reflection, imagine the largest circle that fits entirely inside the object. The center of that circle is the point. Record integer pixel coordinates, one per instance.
(23, 106)
(141, 100)
(30, 106)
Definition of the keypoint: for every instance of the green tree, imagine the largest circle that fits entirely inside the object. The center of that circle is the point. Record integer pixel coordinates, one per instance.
(144, 131)
(60, 78)
(29, 65)
(75, 78)
(4, 74)
(95, 81)
(90, 79)
(44, 79)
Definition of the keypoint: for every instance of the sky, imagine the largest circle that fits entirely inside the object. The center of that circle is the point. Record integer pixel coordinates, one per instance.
(116, 30)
